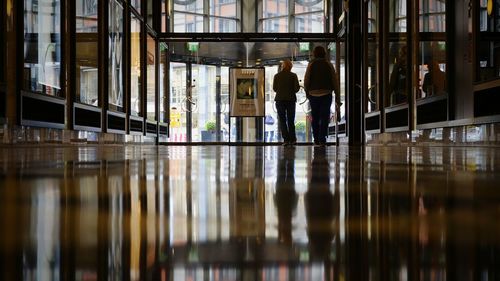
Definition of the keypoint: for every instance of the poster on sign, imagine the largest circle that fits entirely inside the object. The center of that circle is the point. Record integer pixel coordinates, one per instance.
(247, 92)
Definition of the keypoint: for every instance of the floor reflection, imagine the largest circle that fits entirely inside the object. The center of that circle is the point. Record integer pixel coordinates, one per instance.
(249, 213)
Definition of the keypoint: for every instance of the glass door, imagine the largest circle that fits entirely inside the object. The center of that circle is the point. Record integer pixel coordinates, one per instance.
(178, 116)
(204, 94)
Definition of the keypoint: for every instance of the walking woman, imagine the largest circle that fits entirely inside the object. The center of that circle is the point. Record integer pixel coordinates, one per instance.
(319, 82)
(286, 85)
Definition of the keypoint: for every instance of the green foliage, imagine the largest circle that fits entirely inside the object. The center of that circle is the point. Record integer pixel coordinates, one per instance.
(300, 126)
(210, 125)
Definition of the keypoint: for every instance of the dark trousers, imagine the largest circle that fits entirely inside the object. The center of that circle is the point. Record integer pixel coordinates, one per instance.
(286, 116)
(320, 111)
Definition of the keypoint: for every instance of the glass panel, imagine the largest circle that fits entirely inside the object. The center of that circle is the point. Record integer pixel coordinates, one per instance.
(432, 72)
(398, 69)
(177, 101)
(86, 30)
(135, 66)
(163, 83)
(187, 23)
(136, 4)
(340, 66)
(398, 14)
(373, 57)
(204, 79)
(150, 13)
(42, 46)
(432, 16)
(163, 15)
(2, 44)
(309, 23)
(151, 79)
(275, 25)
(223, 8)
(192, 6)
(222, 25)
(271, 128)
(274, 8)
(115, 55)
(224, 86)
(488, 48)
(304, 6)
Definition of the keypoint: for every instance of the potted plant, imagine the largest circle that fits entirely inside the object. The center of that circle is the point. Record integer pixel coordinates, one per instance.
(209, 133)
(300, 130)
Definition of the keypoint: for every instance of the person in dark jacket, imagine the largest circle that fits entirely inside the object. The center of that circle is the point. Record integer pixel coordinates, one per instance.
(319, 82)
(286, 85)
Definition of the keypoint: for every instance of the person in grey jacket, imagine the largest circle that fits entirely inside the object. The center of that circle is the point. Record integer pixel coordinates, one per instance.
(319, 82)
(286, 85)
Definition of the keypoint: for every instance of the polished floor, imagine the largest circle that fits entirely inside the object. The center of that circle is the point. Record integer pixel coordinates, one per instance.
(249, 213)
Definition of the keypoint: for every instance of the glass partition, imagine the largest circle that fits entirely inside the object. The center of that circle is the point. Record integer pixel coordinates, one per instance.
(151, 78)
(163, 82)
(150, 14)
(488, 53)
(397, 92)
(372, 100)
(432, 48)
(86, 51)
(42, 47)
(188, 16)
(115, 55)
(2, 43)
(136, 4)
(135, 66)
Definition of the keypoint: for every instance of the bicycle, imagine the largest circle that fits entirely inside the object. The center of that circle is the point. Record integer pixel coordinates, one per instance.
(189, 104)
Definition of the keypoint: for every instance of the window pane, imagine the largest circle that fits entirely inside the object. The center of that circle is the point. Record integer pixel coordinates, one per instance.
(192, 6)
(398, 14)
(187, 23)
(224, 100)
(274, 8)
(275, 25)
(42, 46)
(488, 48)
(150, 12)
(222, 25)
(136, 4)
(163, 15)
(398, 71)
(432, 72)
(223, 8)
(304, 6)
(2, 46)
(115, 38)
(135, 66)
(397, 92)
(86, 30)
(151, 83)
(163, 83)
(373, 56)
(432, 16)
(309, 23)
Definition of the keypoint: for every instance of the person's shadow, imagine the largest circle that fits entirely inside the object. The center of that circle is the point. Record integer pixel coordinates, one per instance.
(321, 207)
(285, 197)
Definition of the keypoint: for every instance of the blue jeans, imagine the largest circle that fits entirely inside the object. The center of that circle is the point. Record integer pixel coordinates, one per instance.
(320, 111)
(286, 116)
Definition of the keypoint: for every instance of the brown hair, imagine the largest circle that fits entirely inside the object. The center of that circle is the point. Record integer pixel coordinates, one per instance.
(319, 52)
(286, 65)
